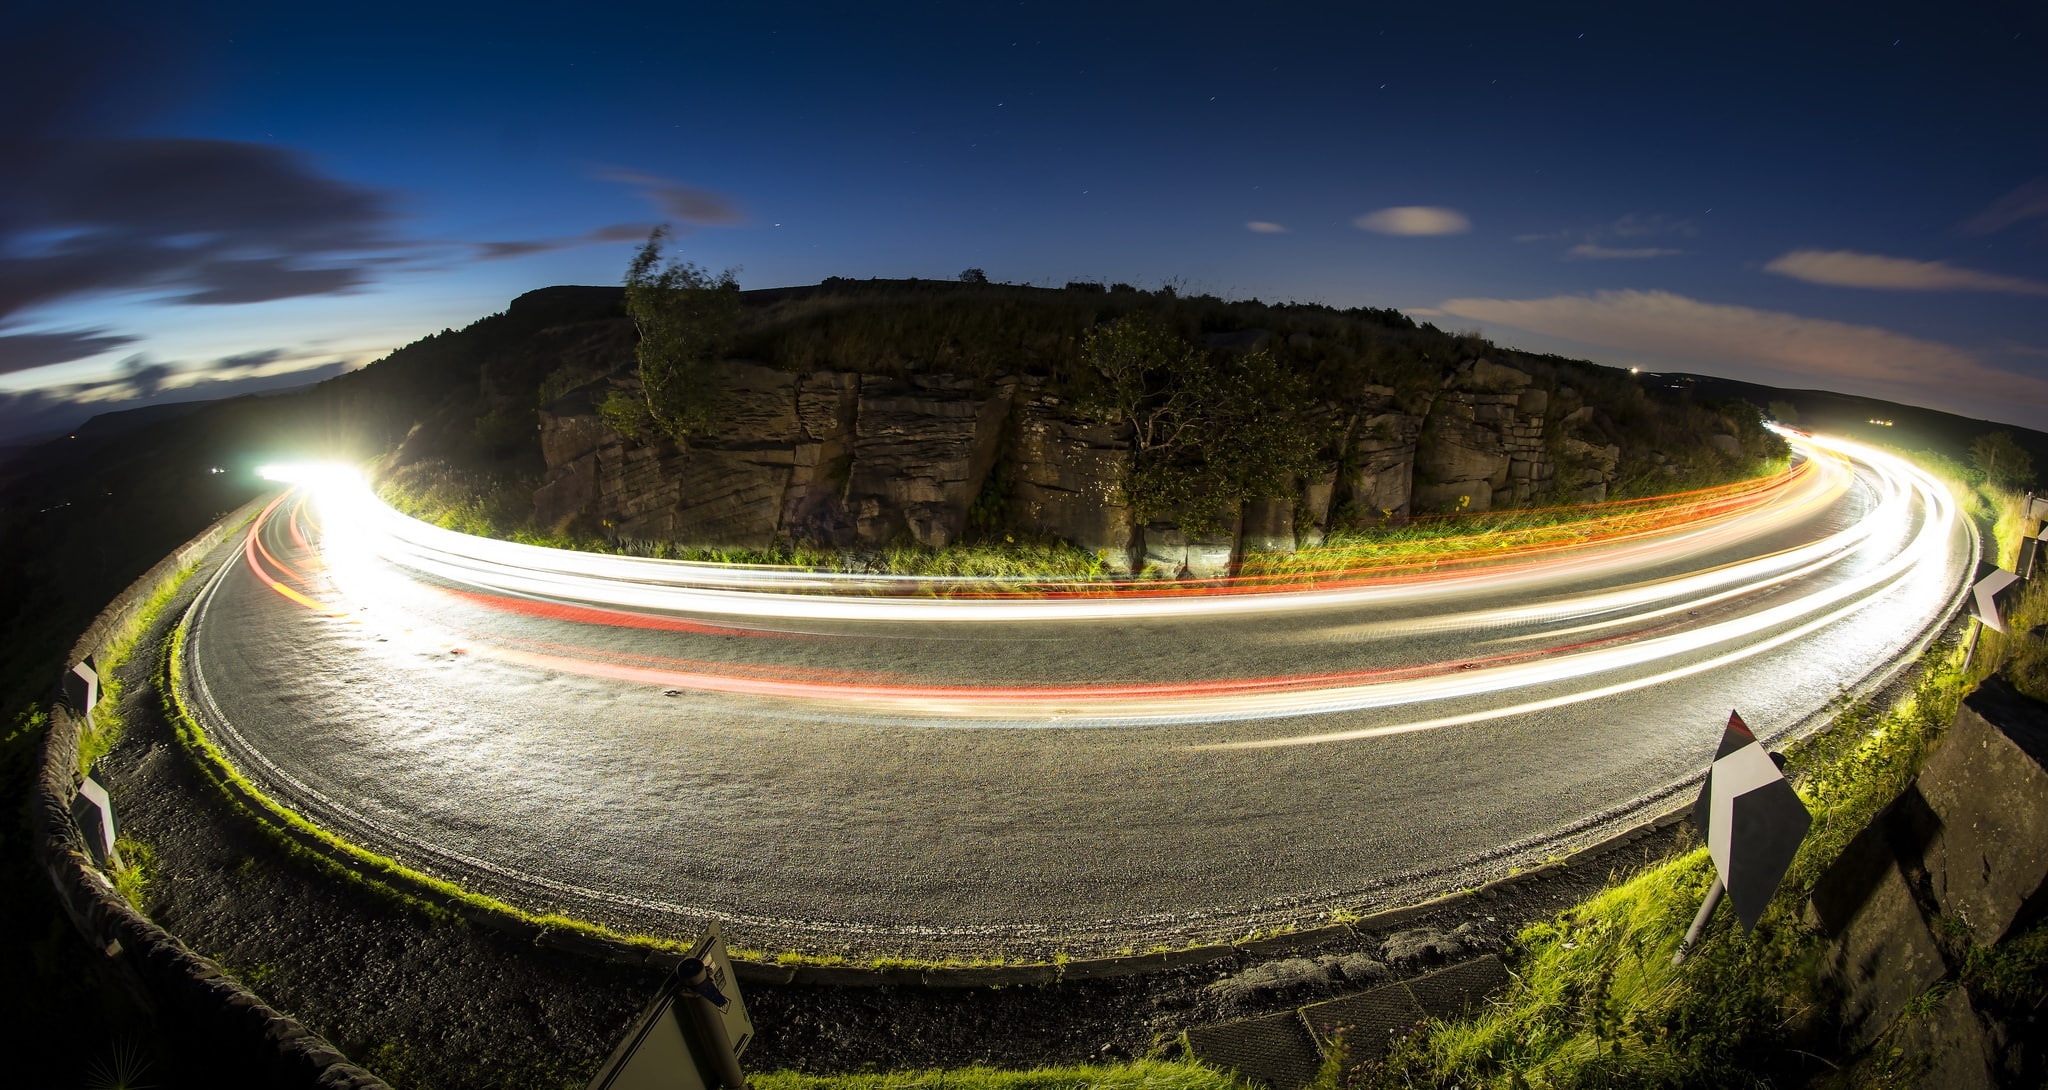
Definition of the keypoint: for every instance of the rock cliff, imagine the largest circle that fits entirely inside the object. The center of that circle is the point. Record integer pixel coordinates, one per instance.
(859, 421)
(850, 460)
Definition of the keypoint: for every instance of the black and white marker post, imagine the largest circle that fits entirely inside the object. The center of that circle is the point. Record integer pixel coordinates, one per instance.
(1752, 822)
(1984, 606)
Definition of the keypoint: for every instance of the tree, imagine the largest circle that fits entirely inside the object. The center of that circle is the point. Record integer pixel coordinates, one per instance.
(686, 319)
(1208, 431)
(1784, 412)
(2001, 461)
(973, 276)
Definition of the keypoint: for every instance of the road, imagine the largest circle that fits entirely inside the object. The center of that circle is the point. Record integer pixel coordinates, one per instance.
(925, 767)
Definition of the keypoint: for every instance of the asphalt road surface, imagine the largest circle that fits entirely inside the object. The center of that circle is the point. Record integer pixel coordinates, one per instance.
(882, 765)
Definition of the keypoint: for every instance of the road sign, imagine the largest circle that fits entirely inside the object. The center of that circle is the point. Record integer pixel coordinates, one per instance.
(691, 1036)
(1985, 593)
(93, 812)
(1753, 823)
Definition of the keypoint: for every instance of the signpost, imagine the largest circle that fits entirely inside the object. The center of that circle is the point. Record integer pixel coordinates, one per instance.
(1984, 607)
(1752, 822)
(691, 1036)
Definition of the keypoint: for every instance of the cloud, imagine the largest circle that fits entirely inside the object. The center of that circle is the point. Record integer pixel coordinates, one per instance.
(1592, 246)
(208, 221)
(2029, 201)
(1715, 336)
(1640, 225)
(1262, 227)
(1844, 268)
(617, 232)
(690, 205)
(1595, 251)
(1415, 220)
(24, 351)
(54, 409)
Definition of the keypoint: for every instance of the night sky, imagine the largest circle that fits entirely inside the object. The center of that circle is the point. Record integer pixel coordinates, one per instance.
(201, 200)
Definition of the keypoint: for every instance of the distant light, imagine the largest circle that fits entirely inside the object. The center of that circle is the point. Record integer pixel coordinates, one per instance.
(1635, 370)
(216, 469)
(310, 473)
(1881, 423)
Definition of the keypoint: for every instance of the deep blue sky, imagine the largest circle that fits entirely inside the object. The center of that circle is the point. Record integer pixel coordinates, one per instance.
(206, 199)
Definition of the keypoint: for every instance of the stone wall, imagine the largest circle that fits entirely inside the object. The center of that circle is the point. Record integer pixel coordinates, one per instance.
(254, 1043)
(853, 461)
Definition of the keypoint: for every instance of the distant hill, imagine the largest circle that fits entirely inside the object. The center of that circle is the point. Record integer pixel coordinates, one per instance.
(1865, 418)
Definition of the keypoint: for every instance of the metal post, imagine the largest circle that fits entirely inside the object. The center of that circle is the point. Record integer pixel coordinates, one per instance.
(1970, 646)
(710, 1026)
(1699, 922)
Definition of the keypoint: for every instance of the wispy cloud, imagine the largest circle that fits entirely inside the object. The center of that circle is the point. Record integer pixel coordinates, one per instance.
(1595, 251)
(1844, 268)
(1262, 227)
(1415, 220)
(699, 207)
(617, 232)
(1715, 336)
(1592, 242)
(2028, 202)
(26, 351)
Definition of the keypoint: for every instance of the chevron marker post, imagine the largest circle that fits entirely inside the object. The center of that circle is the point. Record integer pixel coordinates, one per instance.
(1753, 823)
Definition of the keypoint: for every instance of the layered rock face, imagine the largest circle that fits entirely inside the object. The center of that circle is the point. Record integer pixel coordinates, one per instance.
(851, 460)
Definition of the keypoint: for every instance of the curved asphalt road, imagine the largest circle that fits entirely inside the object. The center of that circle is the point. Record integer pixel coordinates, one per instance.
(918, 774)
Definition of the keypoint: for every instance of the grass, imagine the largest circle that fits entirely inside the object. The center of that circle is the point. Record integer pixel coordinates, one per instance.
(1596, 1001)
(468, 504)
(131, 878)
(1137, 1075)
(108, 722)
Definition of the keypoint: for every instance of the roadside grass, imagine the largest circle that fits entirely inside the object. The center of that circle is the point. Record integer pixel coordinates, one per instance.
(1136, 1075)
(486, 508)
(108, 723)
(1596, 1001)
(132, 877)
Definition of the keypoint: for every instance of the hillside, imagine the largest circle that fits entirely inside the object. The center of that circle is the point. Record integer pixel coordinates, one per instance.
(868, 414)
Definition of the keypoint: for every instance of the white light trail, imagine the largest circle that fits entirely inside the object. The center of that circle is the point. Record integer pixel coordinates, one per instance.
(1776, 598)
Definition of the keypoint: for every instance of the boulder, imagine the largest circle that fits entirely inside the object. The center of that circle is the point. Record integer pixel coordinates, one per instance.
(1455, 496)
(1485, 375)
(1068, 481)
(1268, 526)
(1987, 785)
(1170, 553)
(921, 448)
(1881, 958)
(1952, 1042)
(1380, 487)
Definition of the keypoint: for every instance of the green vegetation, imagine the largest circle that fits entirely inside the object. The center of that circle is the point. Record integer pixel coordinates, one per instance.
(108, 722)
(1429, 542)
(131, 878)
(2001, 461)
(1596, 1001)
(686, 319)
(1209, 430)
(1139, 1075)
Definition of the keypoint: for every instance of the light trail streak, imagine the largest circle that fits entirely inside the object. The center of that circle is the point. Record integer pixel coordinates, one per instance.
(360, 527)
(366, 544)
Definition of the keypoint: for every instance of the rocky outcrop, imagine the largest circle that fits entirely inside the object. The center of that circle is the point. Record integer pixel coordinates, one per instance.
(1068, 481)
(1950, 870)
(1485, 441)
(851, 460)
